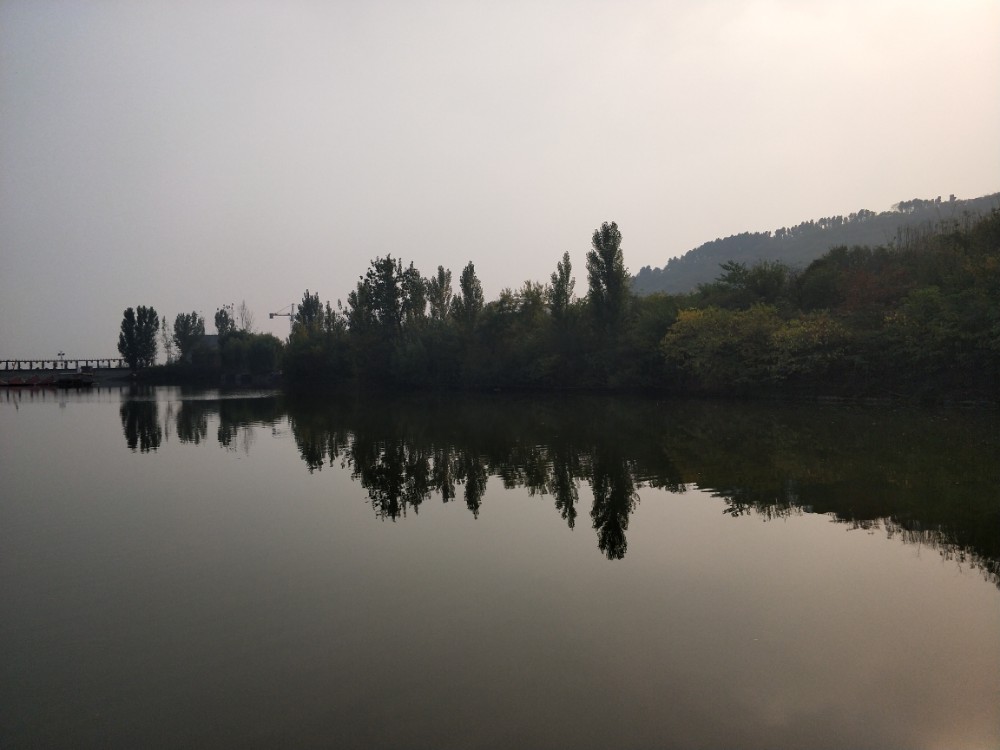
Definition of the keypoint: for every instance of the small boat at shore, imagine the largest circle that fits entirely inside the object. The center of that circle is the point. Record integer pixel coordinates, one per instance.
(80, 378)
(29, 381)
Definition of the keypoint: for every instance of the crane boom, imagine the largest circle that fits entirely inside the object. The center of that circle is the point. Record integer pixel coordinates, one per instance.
(285, 312)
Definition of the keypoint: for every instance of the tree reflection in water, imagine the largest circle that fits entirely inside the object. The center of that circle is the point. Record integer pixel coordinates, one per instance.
(562, 483)
(403, 455)
(192, 420)
(237, 416)
(141, 424)
(923, 476)
(615, 497)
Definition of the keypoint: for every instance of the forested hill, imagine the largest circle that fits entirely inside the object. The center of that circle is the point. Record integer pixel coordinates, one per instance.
(800, 245)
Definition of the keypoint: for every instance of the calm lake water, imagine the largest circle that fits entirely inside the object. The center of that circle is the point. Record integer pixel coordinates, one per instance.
(249, 570)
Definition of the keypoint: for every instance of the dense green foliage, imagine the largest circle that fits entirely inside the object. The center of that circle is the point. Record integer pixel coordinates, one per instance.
(799, 245)
(225, 320)
(401, 329)
(235, 354)
(137, 338)
(189, 330)
(918, 318)
(241, 352)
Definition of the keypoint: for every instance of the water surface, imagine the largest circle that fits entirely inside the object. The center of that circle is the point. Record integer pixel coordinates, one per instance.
(206, 569)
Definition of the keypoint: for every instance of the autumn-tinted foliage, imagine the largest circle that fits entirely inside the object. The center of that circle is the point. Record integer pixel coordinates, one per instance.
(920, 317)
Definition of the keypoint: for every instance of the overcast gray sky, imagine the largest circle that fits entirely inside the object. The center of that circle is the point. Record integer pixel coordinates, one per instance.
(189, 154)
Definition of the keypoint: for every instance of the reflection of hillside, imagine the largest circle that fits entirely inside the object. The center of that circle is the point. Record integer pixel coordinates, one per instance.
(927, 477)
(923, 476)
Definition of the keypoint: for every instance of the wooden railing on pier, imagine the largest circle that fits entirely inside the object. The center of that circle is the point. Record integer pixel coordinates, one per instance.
(13, 365)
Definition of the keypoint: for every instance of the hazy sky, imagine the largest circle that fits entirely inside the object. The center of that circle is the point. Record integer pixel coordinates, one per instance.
(189, 154)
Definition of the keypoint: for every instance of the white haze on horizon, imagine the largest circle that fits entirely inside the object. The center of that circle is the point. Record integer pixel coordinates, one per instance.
(189, 155)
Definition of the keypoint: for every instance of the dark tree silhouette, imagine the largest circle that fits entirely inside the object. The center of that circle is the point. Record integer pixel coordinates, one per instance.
(561, 291)
(468, 304)
(137, 339)
(189, 329)
(607, 276)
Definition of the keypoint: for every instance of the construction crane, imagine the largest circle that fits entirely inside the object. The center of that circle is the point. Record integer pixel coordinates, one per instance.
(285, 312)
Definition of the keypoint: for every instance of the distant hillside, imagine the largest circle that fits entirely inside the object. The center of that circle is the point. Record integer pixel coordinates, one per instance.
(799, 245)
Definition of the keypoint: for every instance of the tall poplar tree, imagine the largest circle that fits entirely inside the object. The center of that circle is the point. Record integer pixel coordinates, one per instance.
(137, 338)
(607, 276)
(467, 305)
(189, 329)
(439, 293)
(561, 291)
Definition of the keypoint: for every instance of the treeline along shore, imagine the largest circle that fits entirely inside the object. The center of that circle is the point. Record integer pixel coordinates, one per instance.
(918, 318)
